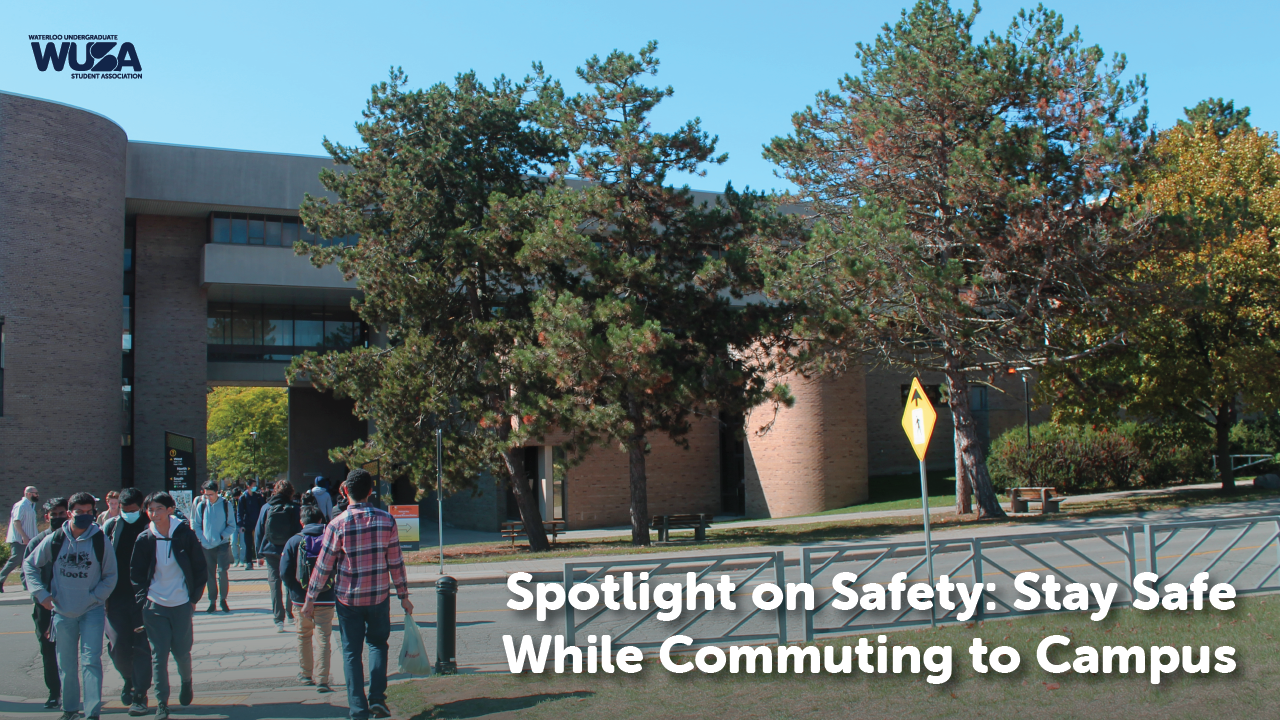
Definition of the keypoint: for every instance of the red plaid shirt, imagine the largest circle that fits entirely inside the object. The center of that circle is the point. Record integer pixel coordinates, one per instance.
(362, 546)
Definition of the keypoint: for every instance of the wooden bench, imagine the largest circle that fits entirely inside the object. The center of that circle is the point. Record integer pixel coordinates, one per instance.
(698, 522)
(1048, 498)
(513, 530)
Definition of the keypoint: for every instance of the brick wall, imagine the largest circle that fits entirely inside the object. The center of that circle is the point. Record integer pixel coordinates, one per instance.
(62, 173)
(814, 457)
(170, 377)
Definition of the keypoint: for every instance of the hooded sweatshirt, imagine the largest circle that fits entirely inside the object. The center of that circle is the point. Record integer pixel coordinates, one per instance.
(214, 522)
(323, 499)
(289, 567)
(291, 509)
(79, 582)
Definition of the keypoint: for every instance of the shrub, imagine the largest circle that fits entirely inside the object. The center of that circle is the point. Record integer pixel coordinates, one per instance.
(1174, 453)
(1257, 435)
(1072, 458)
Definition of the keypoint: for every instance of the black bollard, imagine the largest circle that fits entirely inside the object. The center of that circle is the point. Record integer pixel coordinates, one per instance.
(446, 626)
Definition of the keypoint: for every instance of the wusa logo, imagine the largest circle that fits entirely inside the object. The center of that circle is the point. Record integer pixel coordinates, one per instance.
(103, 57)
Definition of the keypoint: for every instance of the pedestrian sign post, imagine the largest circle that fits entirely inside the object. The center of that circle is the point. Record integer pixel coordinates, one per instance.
(918, 418)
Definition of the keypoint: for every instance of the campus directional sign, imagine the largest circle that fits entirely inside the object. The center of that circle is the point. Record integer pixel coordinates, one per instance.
(918, 418)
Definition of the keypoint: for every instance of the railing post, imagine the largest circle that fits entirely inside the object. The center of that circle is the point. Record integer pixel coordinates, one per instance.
(569, 628)
(805, 576)
(780, 566)
(1151, 552)
(976, 552)
(1131, 560)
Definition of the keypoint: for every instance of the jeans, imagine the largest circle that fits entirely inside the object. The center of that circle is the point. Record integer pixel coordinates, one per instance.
(218, 560)
(237, 547)
(169, 629)
(16, 551)
(250, 553)
(322, 625)
(48, 649)
(127, 643)
(79, 643)
(279, 605)
(358, 625)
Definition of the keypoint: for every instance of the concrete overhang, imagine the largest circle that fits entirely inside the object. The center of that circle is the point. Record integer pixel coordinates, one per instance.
(251, 273)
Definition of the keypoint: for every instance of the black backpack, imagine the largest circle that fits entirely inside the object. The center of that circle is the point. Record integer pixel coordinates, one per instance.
(308, 552)
(279, 527)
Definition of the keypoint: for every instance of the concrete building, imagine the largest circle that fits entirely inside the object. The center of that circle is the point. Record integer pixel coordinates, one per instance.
(134, 276)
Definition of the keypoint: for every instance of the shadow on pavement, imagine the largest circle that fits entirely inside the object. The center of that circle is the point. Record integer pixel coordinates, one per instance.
(260, 711)
(479, 707)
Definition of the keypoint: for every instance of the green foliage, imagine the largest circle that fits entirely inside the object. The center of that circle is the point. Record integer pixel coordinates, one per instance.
(1221, 115)
(961, 190)
(234, 413)
(1257, 435)
(1078, 458)
(5, 551)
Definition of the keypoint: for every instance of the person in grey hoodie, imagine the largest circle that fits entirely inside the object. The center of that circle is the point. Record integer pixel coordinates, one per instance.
(323, 499)
(214, 521)
(72, 573)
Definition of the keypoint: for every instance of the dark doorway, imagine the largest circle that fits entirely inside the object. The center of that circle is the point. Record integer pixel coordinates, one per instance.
(733, 465)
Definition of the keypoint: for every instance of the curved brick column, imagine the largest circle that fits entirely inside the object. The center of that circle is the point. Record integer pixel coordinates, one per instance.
(815, 456)
(62, 212)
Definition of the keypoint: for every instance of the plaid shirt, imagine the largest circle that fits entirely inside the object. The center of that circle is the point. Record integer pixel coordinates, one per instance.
(362, 546)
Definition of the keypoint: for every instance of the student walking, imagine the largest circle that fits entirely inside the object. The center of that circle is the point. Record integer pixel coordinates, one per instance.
(126, 637)
(278, 521)
(22, 528)
(168, 574)
(72, 573)
(296, 564)
(247, 511)
(323, 499)
(113, 508)
(214, 522)
(361, 545)
(55, 513)
(237, 540)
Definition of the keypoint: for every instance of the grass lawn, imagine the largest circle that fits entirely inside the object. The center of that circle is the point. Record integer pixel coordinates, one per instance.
(902, 492)
(820, 530)
(1028, 692)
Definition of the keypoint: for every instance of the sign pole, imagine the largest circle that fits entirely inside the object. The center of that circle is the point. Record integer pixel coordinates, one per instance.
(440, 495)
(918, 417)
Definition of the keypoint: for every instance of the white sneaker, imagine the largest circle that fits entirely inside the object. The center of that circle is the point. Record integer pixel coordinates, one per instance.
(280, 628)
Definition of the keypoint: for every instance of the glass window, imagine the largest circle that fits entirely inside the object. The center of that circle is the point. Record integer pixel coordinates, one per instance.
(221, 229)
(246, 321)
(273, 232)
(277, 325)
(239, 229)
(308, 327)
(128, 260)
(219, 324)
(289, 232)
(306, 235)
(127, 340)
(338, 330)
(256, 229)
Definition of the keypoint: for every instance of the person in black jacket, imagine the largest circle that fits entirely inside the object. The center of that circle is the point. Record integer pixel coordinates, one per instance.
(168, 573)
(127, 639)
(278, 521)
(247, 510)
(300, 555)
(55, 511)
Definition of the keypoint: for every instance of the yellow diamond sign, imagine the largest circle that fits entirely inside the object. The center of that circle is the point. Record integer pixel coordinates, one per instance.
(918, 418)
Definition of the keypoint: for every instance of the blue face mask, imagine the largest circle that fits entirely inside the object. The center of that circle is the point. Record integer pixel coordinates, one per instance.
(83, 521)
(131, 517)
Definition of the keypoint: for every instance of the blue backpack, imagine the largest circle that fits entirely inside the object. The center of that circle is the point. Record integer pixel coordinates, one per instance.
(308, 552)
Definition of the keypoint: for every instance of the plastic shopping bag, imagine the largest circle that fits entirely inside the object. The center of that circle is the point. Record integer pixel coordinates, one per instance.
(413, 652)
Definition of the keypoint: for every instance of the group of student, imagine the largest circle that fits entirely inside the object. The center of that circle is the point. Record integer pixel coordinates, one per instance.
(139, 577)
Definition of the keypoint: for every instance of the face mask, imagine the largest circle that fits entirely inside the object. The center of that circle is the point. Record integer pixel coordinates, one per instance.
(131, 517)
(57, 523)
(83, 521)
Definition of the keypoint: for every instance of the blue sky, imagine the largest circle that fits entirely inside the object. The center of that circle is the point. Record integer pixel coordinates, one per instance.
(277, 77)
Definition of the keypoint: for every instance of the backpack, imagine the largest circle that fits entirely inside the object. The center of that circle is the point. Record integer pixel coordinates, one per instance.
(279, 527)
(59, 536)
(308, 552)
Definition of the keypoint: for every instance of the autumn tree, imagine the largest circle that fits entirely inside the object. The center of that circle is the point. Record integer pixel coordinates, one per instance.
(644, 323)
(439, 279)
(963, 197)
(1206, 343)
(235, 414)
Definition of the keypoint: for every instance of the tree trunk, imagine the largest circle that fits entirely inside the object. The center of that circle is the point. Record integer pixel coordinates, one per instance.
(639, 480)
(527, 500)
(1226, 416)
(964, 505)
(971, 461)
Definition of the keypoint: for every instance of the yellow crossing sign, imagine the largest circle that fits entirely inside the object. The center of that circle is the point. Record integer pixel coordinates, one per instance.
(918, 418)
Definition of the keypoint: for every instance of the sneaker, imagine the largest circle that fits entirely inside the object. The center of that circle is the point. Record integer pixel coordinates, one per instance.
(162, 711)
(324, 688)
(186, 694)
(280, 627)
(211, 608)
(53, 702)
(304, 680)
(225, 607)
(70, 715)
(126, 694)
(138, 708)
(379, 710)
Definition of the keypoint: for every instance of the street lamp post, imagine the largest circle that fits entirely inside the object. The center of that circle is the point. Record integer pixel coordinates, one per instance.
(254, 435)
(1026, 399)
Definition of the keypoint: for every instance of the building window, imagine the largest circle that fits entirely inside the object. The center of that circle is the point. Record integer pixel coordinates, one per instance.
(268, 230)
(256, 332)
(127, 341)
